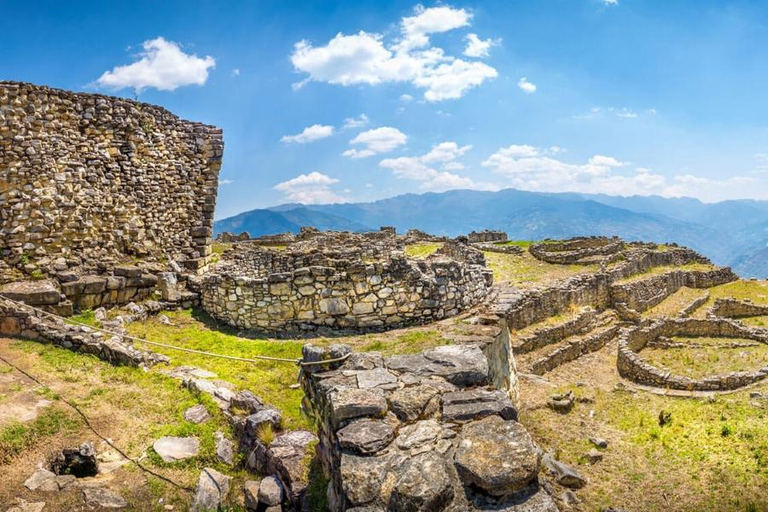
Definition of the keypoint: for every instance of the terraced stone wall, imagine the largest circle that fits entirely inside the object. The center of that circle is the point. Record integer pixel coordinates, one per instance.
(96, 179)
(734, 308)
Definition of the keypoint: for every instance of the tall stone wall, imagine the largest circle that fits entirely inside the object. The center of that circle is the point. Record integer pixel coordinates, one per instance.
(96, 179)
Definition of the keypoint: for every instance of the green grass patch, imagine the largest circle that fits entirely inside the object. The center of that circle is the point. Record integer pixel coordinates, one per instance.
(17, 437)
(523, 244)
(526, 271)
(710, 359)
(87, 317)
(421, 250)
(408, 343)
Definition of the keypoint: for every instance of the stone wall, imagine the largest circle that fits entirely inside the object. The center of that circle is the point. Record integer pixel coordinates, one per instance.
(734, 308)
(632, 366)
(354, 295)
(644, 294)
(486, 236)
(576, 250)
(97, 179)
(421, 432)
(20, 321)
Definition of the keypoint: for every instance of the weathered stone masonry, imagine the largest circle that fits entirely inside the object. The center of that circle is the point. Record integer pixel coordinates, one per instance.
(92, 178)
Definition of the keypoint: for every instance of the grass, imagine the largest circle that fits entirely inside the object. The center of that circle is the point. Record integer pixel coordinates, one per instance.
(17, 437)
(711, 359)
(674, 304)
(526, 271)
(409, 343)
(664, 269)
(87, 317)
(421, 251)
(523, 244)
(756, 291)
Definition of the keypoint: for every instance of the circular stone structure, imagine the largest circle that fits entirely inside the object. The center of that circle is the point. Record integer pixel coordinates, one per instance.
(342, 281)
(582, 250)
(634, 367)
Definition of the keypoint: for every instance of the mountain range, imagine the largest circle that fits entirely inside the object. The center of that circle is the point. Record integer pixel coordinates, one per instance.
(733, 233)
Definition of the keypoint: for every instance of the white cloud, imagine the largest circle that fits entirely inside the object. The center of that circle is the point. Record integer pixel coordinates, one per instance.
(162, 65)
(422, 168)
(528, 168)
(479, 48)
(312, 188)
(355, 122)
(406, 98)
(526, 86)
(611, 2)
(236, 72)
(622, 112)
(364, 58)
(378, 140)
(224, 182)
(309, 134)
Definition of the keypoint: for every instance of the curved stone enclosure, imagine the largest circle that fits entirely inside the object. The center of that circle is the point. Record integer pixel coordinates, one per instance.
(303, 291)
(577, 250)
(632, 366)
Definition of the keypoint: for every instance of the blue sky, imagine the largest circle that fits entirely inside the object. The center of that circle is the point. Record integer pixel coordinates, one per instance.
(614, 96)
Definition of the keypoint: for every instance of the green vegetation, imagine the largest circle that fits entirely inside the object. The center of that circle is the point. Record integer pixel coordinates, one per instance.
(712, 358)
(17, 437)
(526, 271)
(674, 304)
(421, 250)
(87, 317)
(409, 343)
(523, 244)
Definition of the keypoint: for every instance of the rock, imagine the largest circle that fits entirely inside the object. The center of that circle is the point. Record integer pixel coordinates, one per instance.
(365, 436)
(254, 422)
(251, 490)
(163, 319)
(423, 485)
(477, 403)
(599, 442)
(247, 401)
(569, 499)
(418, 434)
(197, 414)
(363, 477)
(289, 454)
(462, 365)
(80, 462)
(497, 456)
(563, 474)
(42, 480)
(562, 402)
(104, 498)
(172, 449)
(24, 506)
(224, 449)
(34, 293)
(418, 402)
(271, 491)
(211, 491)
(593, 456)
(368, 379)
(100, 314)
(347, 404)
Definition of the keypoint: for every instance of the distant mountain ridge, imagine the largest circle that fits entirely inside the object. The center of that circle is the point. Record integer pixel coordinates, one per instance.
(730, 232)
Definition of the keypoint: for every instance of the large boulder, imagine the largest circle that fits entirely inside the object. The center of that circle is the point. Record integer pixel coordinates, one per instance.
(497, 456)
(211, 491)
(423, 485)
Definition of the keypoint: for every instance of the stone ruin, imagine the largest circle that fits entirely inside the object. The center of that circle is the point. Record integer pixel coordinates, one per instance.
(578, 251)
(90, 181)
(342, 281)
(228, 238)
(486, 236)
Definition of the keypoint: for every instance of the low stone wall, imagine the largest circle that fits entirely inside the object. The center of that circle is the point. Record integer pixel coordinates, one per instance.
(351, 295)
(544, 336)
(460, 251)
(227, 238)
(18, 321)
(576, 250)
(643, 294)
(632, 366)
(734, 308)
(486, 236)
(574, 349)
(499, 248)
(694, 305)
(275, 240)
(421, 432)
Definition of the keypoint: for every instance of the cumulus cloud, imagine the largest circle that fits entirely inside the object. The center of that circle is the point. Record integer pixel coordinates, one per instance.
(529, 168)
(163, 65)
(378, 140)
(479, 48)
(526, 86)
(312, 188)
(365, 58)
(424, 169)
(309, 134)
(355, 122)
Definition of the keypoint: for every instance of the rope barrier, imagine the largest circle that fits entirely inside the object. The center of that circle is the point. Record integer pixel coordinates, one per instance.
(96, 432)
(253, 359)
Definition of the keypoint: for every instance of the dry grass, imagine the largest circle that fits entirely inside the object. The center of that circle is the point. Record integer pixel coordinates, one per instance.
(421, 251)
(710, 359)
(525, 271)
(675, 303)
(664, 269)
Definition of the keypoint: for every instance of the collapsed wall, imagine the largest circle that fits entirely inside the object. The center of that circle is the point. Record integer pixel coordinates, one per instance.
(87, 179)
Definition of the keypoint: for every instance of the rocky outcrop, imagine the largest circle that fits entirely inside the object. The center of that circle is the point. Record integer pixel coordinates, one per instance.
(96, 179)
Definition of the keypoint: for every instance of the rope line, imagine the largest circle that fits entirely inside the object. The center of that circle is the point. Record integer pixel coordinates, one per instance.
(92, 429)
(254, 359)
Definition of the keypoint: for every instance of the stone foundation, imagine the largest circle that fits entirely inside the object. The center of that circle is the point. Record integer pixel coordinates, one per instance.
(577, 250)
(632, 366)
(734, 308)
